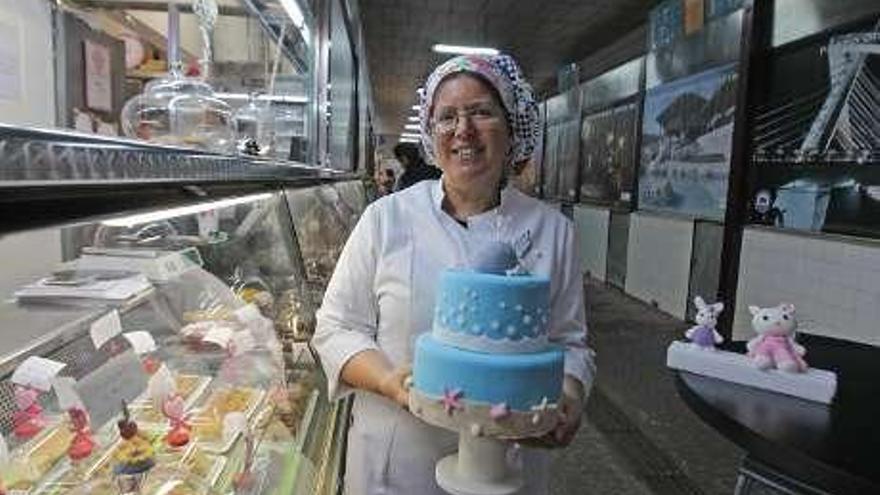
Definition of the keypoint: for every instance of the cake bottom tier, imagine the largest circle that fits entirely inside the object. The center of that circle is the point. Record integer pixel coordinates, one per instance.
(456, 388)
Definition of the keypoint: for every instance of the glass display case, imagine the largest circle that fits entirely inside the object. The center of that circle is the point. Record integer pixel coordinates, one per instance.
(162, 347)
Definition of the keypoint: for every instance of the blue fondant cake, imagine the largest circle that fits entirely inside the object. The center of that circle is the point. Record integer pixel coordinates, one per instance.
(487, 366)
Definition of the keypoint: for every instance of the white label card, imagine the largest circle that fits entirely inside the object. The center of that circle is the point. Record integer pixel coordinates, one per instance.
(4, 451)
(249, 313)
(105, 328)
(37, 372)
(242, 342)
(141, 342)
(220, 335)
(65, 392)
(161, 385)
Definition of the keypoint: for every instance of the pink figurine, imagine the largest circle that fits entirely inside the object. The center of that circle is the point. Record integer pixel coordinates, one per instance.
(174, 408)
(28, 419)
(82, 444)
(775, 347)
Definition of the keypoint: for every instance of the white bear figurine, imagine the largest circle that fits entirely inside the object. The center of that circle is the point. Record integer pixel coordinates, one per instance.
(704, 335)
(775, 347)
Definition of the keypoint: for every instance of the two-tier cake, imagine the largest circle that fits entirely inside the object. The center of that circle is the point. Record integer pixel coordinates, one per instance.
(487, 367)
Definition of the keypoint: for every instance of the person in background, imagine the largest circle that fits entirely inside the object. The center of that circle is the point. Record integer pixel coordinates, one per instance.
(414, 168)
(385, 182)
(478, 120)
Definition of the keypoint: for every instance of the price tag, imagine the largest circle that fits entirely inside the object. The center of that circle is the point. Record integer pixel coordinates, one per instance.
(248, 314)
(4, 451)
(105, 328)
(37, 372)
(233, 423)
(220, 335)
(209, 223)
(141, 342)
(65, 392)
(242, 342)
(161, 385)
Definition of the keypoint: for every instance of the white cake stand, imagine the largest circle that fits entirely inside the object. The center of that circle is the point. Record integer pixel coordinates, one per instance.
(480, 467)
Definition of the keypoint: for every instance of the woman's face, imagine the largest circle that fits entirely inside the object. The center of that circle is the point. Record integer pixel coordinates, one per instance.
(473, 147)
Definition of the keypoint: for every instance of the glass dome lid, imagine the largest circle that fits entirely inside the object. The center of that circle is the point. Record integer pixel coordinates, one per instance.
(180, 111)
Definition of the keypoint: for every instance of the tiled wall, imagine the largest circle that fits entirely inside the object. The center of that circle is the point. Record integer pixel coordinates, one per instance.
(659, 260)
(833, 283)
(591, 228)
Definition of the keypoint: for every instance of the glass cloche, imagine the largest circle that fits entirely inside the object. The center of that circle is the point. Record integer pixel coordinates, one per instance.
(253, 123)
(181, 111)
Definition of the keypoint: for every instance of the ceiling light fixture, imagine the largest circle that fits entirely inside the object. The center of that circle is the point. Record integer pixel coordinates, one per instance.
(413, 118)
(408, 140)
(410, 135)
(464, 50)
(416, 108)
(412, 127)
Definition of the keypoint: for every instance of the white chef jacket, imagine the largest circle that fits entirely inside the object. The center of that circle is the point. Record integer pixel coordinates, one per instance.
(381, 296)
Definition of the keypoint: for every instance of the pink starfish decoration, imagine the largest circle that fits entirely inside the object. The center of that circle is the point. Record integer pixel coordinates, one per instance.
(451, 399)
(499, 411)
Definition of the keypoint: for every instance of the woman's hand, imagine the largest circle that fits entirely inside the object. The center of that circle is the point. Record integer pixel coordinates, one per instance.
(394, 385)
(571, 410)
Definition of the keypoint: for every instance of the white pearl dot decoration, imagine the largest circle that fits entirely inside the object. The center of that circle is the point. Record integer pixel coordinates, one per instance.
(511, 330)
(495, 325)
(476, 330)
(502, 305)
(519, 308)
(476, 430)
(527, 319)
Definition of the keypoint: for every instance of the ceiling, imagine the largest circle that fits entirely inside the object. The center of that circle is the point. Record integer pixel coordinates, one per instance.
(542, 35)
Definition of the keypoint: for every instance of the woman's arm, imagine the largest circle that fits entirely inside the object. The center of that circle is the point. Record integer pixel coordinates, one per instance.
(371, 370)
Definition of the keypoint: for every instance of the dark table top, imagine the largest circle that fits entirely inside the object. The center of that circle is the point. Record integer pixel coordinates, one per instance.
(834, 447)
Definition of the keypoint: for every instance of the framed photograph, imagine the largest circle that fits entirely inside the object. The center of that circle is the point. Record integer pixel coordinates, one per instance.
(687, 138)
(608, 155)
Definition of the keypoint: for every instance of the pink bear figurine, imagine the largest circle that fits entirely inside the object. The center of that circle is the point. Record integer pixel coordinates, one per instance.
(774, 347)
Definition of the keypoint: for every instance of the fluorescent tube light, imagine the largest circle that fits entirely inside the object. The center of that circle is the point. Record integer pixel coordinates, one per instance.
(276, 98)
(412, 127)
(416, 108)
(296, 16)
(464, 50)
(155, 216)
(413, 119)
(408, 140)
(410, 135)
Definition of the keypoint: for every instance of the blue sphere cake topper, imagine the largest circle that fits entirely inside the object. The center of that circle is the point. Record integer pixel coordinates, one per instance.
(495, 257)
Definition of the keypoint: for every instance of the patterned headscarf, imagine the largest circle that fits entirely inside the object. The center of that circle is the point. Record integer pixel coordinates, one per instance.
(503, 73)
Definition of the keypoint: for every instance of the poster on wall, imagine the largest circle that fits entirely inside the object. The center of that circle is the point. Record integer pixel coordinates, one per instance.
(687, 135)
(608, 155)
(98, 83)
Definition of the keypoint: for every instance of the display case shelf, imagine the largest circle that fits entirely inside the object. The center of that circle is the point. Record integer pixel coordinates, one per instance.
(43, 158)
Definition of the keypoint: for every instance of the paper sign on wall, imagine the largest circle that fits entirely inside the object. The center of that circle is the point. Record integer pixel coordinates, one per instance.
(10, 62)
(37, 372)
(99, 87)
(105, 328)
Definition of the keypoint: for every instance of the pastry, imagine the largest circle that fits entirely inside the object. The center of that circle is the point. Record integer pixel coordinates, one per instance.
(135, 454)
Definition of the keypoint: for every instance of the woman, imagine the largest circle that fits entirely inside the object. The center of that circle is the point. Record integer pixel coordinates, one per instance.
(478, 119)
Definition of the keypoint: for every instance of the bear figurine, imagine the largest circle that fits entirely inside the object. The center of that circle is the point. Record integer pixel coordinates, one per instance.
(703, 334)
(775, 347)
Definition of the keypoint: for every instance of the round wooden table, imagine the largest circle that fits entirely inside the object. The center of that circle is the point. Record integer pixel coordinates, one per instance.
(794, 444)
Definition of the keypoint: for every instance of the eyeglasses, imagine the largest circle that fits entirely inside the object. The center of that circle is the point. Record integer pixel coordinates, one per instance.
(481, 115)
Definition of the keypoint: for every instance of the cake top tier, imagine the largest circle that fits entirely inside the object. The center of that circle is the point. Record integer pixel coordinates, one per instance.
(486, 312)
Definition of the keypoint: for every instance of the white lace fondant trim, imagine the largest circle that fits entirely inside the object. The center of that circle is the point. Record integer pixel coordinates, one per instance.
(482, 343)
